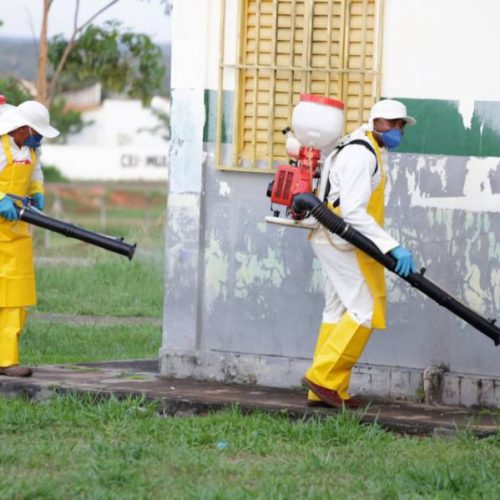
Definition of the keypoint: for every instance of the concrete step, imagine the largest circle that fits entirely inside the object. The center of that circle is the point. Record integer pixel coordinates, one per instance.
(182, 397)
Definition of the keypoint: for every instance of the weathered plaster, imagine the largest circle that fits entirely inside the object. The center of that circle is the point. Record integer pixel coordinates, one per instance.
(216, 274)
(186, 153)
(182, 272)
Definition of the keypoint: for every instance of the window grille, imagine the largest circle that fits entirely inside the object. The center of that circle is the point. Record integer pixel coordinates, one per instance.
(289, 47)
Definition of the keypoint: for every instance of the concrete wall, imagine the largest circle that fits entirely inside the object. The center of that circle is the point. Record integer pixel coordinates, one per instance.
(243, 300)
(108, 163)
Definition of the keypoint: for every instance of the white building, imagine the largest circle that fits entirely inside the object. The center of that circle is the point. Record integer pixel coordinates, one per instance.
(123, 141)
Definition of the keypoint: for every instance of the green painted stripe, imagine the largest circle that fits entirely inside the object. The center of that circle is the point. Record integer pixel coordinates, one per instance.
(439, 130)
(210, 128)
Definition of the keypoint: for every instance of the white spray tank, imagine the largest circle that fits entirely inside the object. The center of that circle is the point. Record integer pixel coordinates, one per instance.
(317, 123)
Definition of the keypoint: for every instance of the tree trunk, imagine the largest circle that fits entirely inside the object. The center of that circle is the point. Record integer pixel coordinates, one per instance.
(42, 56)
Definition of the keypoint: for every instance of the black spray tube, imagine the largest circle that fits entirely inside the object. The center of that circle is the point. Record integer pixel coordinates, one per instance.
(335, 224)
(116, 245)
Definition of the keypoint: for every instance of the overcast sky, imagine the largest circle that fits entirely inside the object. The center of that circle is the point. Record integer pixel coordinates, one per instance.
(24, 17)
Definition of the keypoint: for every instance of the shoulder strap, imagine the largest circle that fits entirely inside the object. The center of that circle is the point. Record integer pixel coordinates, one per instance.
(33, 156)
(359, 142)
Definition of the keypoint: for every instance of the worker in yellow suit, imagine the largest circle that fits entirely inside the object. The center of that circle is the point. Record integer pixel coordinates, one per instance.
(352, 182)
(21, 131)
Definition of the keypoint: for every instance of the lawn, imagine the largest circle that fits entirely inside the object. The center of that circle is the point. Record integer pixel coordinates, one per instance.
(46, 342)
(75, 278)
(109, 286)
(76, 447)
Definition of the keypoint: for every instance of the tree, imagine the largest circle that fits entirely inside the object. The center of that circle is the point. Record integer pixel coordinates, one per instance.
(46, 93)
(121, 60)
(120, 48)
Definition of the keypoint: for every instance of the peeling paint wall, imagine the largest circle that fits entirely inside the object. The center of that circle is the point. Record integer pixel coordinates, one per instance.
(262, 289)
(243, 299)
(429, 200)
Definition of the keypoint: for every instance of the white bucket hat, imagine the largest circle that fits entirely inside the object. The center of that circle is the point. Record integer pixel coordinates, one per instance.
(391, 110)
(30, 113)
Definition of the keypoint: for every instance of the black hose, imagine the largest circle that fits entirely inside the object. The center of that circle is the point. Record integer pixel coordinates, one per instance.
(335, 224)
(116, 245)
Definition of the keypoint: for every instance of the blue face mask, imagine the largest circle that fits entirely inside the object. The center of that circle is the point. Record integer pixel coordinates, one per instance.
(392, 138)
(34, 141)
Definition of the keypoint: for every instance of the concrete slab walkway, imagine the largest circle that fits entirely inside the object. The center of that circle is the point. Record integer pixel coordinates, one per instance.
(182, 397)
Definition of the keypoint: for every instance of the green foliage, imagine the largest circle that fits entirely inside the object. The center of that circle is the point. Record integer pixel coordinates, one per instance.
(53, 174)
(13, 90)
(123, 61)
(18, 56)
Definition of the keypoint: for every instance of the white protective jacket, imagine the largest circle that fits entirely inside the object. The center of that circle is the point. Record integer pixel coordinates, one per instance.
(353, 174)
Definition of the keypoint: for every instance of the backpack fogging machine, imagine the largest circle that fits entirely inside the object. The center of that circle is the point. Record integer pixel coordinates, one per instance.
(37, 218)
(317, 123)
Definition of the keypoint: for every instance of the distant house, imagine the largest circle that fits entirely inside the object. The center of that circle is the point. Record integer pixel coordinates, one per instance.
(123, 122)
(84, 99)
(123, 141)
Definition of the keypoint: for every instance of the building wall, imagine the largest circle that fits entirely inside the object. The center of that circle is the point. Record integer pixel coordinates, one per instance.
(123, 140)
(108, 163)
(243, 300)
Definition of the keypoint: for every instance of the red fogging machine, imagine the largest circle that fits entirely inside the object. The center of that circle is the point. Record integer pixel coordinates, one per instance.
(317, 124)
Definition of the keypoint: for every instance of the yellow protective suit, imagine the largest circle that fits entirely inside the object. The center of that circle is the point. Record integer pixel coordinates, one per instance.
(343, 335)
(17, 277)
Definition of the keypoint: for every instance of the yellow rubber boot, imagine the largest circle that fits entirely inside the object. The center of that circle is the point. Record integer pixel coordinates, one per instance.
(12, 320)
(325, 330)
(333, 363)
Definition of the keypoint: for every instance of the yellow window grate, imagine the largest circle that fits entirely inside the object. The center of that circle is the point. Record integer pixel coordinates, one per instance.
(289, 47)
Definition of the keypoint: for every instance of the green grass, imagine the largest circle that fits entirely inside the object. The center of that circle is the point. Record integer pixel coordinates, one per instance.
(103, 283)
(96, 282)
(50, 343)
(79, 447)
(112, 286)
(134, 211)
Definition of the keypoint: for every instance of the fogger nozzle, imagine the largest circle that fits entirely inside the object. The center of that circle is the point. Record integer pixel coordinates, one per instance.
(335, 224)
(116, 245)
